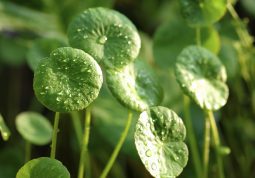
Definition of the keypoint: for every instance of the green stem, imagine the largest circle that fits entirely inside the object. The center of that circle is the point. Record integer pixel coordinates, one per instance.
(216, 140)
(206, 144)
(27, 151)
(54, 136)
(118, 147)
(77, 126)
(84, 152)
(198, 36)
(192, 138)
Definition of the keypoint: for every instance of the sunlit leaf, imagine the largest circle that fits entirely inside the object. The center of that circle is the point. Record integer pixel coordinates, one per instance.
(203, 13)
(106, 35)
(135, 86)
(67, 81)
(4, 130)
(43, 167)
(202, 76)
(159, 137)
(34, 128)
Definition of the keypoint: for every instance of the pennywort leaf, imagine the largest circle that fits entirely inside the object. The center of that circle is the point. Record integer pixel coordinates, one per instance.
(68, 80)
(159, 137)
(202, 76)
(43, 167)
(106, 35)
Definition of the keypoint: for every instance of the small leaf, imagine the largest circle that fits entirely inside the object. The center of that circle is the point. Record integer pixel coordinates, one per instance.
(43, 167)
(106, 35)
(67, 81)
(159, 137)
(34, 128)
(135, 86)
(170, 38)
(203, 13)
(41, 49)
(202, 76)
(5, 132)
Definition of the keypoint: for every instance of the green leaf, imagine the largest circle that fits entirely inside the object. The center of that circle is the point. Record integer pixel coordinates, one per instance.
(4, 130)
(34, 128)
(135, 86)
(106, 35)
(202, 76)
(159, 137)
(170, 38)
(41, 48)
(203, 13)
(67, 81)
(43, 167)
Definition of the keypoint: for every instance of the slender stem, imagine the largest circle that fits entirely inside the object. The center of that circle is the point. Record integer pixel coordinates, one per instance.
(77, 126)
(216, 140)
(192, 138)
(54, 136)
(198, 36)
(84, 152)
(118, 147)
(206, 144)
(27, 151)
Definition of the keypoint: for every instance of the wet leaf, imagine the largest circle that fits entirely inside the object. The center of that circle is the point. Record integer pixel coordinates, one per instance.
(202, 13)
(106, 35)
(34, 128)
(67, 81)
(135, 86)
(159, 137)
(43, 167)
(202, 76)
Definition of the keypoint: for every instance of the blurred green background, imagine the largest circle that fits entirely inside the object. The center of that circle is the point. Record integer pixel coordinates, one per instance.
(25, 25)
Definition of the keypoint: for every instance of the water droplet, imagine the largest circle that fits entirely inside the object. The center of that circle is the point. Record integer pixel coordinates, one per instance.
(46, 88)
(148, 153)
(78, 30)
(102, 39)
(153, 166)
(58, 99)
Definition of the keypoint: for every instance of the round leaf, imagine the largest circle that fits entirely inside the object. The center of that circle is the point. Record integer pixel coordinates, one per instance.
(203, 12)
(159, 137)
(202, 76)
(172, 37)
(34, 128)
(135, 86)
(41, 49)
(43, 167)
(106, 35)
(67, 81)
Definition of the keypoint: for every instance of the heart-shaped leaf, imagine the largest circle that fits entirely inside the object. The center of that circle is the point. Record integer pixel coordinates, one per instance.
(34, 128)
(135, 86)
(159, 137)
(203, 12)
(67, 81)
(43, 167)
(202, 76)
(170, 38)
(106, 35)
(41, 49)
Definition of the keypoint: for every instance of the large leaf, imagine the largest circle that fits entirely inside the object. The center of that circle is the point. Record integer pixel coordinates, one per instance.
(159, 137)
(106, 35)
(170, 38)
(202, 76)
(203, 12)
(135, 86)
(67, 81)
(43, 168)
(34, 128)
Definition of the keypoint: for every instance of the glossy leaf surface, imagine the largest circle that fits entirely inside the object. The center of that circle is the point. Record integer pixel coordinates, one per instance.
(159, 137)
(203, 12)
(34, 128)
(135, 86)
(106, 35)
(43, 167)
(67, 81)
(202, 76)
(4, 130)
